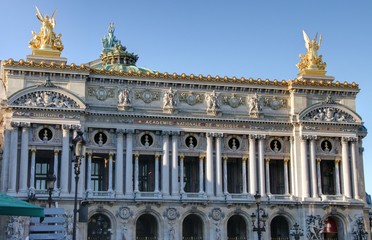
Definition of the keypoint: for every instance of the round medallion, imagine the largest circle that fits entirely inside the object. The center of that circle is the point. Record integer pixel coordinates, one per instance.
(172, 213)
(101, 94)
(147, 96)
(217, 214)
(124, 213)
(191, 99)
(234, 102)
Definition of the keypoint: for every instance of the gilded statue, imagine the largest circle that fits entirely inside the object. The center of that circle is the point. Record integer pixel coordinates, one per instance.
(311, 60)
(46, 41)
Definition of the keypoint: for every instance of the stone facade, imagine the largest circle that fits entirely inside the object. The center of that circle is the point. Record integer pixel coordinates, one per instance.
(172, 156)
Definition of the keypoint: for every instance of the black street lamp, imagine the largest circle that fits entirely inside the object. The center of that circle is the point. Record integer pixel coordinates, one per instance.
(79, 151)
(50, 180)
(296, 231)
(261, 217)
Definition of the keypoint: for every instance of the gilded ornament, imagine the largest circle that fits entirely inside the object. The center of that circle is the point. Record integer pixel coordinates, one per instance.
(46, 42)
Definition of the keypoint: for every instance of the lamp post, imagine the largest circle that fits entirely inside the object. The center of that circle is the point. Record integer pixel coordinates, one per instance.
(79, 151)
(261, 217)
(296, 231)
(50, 180)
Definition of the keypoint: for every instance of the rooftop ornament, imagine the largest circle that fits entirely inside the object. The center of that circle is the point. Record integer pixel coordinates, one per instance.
(46, 42)
(311, 63)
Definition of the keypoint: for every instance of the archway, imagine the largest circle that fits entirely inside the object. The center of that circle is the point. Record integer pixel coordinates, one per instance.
(236, 228)
(279, 228)
(192, 228)
(330, 230)
(146, 227)
(99, 227)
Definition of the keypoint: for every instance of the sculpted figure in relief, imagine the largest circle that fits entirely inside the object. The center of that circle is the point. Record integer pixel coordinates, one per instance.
(169, 98)
(123, 97)
(254, 104)
(311, 60)
(212, 102)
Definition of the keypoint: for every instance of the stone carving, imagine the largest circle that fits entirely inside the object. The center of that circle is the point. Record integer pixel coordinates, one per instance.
(359, 232)
(329, 100)
(233, 101)
(101, 93)
(191, 98)
(216, 214)
(15, 228)
(171, 214)
(254, 105)
(314, 225)
(69, 224)
(125, 214)
(212, 103)
(124, 99)
(46, 99)
(328, 114)
(169, 100)
(147, 96)
(275, 103)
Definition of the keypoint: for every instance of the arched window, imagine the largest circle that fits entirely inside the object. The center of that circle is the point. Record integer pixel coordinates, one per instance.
(192, 228)
(236, 228)
(279, 228)
(146, 228)
(99, 227)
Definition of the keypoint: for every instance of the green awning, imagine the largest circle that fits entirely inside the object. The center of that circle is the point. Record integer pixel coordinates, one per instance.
(15, 207)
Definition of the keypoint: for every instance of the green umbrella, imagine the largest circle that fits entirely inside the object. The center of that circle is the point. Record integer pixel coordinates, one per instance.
(15, 207)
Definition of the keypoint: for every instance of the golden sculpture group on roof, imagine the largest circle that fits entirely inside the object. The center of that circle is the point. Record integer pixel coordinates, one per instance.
(46, 42)
(311, 63)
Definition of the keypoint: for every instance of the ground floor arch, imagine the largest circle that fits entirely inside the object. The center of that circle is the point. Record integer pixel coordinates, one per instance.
(147, 227)
(99, 227)
(279, 228)
(236, 228)
(192, 228)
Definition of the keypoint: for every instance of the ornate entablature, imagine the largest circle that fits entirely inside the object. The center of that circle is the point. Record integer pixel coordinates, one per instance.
(330, 111)
(46, 95)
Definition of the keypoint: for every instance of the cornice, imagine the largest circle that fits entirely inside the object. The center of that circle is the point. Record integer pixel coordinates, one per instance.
(287, 84)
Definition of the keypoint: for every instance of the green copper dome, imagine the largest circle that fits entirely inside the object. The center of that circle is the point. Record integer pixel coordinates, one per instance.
(114, 55)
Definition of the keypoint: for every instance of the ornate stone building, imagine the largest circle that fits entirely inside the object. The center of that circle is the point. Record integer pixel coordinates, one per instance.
(176, 156)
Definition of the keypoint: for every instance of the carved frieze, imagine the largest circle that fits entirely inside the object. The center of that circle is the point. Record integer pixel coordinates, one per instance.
(329, 114)
(101, 93)
(49, 99)
(147, 96)
(314, 226)
(191, 98)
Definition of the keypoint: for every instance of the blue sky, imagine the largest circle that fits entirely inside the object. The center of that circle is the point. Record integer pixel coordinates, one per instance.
(242, 38)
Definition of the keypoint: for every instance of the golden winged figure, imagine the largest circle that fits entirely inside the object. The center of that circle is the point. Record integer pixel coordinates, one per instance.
(311, 60)
(46, 39)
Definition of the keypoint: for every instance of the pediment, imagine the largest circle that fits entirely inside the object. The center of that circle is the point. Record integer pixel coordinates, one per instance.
(46, 95)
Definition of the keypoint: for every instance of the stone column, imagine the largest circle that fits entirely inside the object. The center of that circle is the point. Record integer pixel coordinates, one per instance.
(157, 175)
(345, 167)
(244, 175)
(110, 175)
(354, 168)
(65, 161)
(286, 181)
(165, 164)
(304, 168)
(314, 192)
(82, 179)
(32, 170)
(319, 174)
(175, 183)
(129, 165)
(136, 173)
(337, 176)
(55, 169)
(6, 160)
(209, 166)
(119, 163)
(261, 160)
(201, 174)
(182, 158)
(89, 173)
(252, 166)
(267, 160)
(218, 165)
(23, 173)
(225, 190)
(13, 164)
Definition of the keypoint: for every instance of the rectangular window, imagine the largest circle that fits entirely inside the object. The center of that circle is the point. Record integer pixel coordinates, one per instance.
(234, 175)
(146, 174)
(100, 172)
(277, 177)
(327, 169)
(43, 164)
(191, 174)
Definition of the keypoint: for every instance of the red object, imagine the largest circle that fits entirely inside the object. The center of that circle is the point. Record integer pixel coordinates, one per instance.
(330, 226)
